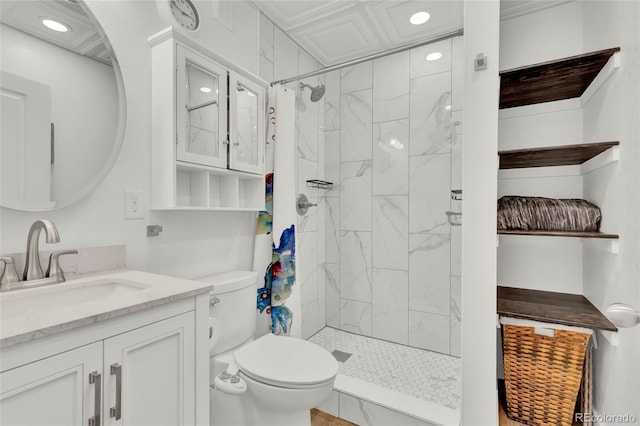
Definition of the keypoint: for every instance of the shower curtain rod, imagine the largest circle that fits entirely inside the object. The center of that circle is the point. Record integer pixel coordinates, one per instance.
(445, 36)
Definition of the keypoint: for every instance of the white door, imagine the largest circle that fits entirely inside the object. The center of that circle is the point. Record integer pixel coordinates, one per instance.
(55, 391)
(150, 374)
(201, 110)
(25, 125)
(246, 125)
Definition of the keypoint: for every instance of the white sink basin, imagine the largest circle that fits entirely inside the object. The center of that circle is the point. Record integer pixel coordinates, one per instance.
(20, 303)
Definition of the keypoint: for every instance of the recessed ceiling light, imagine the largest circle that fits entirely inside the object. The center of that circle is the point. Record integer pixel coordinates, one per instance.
(55, 25)
(419, 18)
(433, 56)
(205, 89)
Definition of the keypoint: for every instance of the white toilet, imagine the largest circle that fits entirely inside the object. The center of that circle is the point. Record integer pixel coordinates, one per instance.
(272, 380)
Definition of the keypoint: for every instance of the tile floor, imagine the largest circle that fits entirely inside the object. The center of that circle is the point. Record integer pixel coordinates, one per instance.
(423, 374)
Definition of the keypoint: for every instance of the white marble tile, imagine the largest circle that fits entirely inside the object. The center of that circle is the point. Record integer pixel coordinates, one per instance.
(355, 126)
(457, 73)
(391, 87)
(266, 69)
(456, 152)
(332, 289)
(266, 38)
(310, 325)
(332, 101)
(306, 127)
(390, 302)
(365, 413)
(431, 123)
(429, 331)
(357, 77)
(355, 196)
(429, 193)
(285, 56)
(332, 161)
(456, 250)
(398, 376)
(421, 67)
(308, 170)
(391, 157)
(355, 266)
(355, 316)
(322, 293)
(330, 404)
(332, 230)
(456, 316)
(306, 64)
(391, 231)
(307, 266)
(429, 277)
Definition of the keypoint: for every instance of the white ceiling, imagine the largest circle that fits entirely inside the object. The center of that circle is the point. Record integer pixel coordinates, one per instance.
(83, 38)
(336, 31)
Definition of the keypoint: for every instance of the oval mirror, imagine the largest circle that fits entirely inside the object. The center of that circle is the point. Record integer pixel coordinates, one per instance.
(63, 104)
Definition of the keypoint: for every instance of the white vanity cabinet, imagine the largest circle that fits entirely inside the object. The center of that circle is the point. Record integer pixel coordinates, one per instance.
(208, 129)
(143, 376)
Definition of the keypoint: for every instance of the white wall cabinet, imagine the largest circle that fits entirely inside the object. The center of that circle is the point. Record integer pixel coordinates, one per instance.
(208, 129)
(145, 376)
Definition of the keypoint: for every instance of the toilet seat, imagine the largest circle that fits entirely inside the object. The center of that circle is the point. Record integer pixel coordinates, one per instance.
(286, 362)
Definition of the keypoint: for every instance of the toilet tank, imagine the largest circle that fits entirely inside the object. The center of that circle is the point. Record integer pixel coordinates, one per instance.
(234, 307)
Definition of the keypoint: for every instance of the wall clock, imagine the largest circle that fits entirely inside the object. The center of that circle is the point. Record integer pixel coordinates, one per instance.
(185, 14)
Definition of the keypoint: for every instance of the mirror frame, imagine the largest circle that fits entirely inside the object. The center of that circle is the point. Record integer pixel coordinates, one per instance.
(119, 136)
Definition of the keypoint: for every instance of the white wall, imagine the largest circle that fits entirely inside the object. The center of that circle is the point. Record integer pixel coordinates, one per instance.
(479, 164)
(193, 243)
(613, 114)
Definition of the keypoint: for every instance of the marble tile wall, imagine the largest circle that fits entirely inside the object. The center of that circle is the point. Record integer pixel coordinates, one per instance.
(280, 58)
(392, 140)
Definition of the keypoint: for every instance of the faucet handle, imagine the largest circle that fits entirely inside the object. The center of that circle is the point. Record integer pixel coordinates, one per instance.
(54, 270)
(9, 275)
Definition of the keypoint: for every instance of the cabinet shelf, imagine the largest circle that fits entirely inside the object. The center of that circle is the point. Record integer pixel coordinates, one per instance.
(552, 81)
(579, 234)
(564, 155)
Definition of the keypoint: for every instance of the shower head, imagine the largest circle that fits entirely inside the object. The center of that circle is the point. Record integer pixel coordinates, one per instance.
(316, 92)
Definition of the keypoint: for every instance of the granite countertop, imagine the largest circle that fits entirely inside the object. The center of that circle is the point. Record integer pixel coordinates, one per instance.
(33, 313)
(546, 306)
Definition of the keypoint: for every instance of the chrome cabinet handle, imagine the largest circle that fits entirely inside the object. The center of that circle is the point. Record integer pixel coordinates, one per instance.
(96, 379)
(117, 410)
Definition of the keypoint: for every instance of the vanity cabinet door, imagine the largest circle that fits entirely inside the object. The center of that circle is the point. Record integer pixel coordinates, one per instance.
(54, 390)
(201, 110)
(150, 374)
(246, 125)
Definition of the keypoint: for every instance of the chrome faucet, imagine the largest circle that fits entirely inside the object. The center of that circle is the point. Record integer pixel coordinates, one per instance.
(32, 267)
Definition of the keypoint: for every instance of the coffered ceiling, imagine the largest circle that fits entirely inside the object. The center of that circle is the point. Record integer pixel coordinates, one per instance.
(83, 38)
(335, 31)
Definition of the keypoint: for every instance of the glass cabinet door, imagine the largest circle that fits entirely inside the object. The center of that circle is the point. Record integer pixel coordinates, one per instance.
(246, 125)
(201, 112)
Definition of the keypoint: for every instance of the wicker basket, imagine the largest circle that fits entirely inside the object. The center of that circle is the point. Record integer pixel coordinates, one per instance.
(542, 373)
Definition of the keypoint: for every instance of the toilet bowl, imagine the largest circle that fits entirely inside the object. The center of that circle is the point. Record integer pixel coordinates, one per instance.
(272, 380)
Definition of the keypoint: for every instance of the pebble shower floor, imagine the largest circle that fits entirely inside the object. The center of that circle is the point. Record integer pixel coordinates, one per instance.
(417, 372)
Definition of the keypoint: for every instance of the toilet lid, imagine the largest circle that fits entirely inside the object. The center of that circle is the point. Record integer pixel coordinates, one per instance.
(286, 361)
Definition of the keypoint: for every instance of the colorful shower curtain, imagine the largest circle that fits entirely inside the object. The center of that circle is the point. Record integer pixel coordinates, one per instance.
(278, 299)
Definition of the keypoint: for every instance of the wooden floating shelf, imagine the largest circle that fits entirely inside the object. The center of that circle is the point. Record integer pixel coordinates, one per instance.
(580, 234)
(551, 81)
(564, 155)
(546, 306)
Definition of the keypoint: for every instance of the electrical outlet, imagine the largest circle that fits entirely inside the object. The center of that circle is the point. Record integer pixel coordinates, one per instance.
(133, 204)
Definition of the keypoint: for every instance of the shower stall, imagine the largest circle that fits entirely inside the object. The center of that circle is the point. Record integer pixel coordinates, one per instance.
(378, 249)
